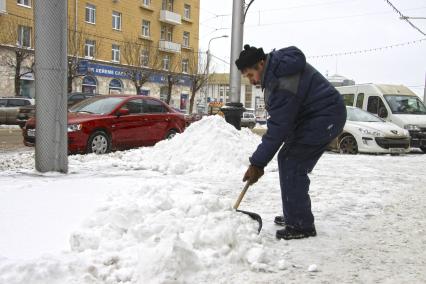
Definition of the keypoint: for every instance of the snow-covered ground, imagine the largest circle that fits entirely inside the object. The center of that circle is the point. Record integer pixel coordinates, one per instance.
(163, 215)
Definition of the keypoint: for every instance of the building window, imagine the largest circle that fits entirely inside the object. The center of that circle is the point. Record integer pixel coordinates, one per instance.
(185, 65)
(89, 48)
(145, 57)
(115, 53)
(89, 85)
(115, 86)
(90, 14)
(147, 3)
(167, 5)
(166, 62)
(187, 11)
(24, 3)
(186, 39)
(146, 28)
(166, 33)
(24, 36)
(116, 21)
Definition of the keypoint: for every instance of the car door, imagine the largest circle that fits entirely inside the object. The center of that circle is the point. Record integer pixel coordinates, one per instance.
(156, 116)
(13, 109)
(3, 110)
(130, 130)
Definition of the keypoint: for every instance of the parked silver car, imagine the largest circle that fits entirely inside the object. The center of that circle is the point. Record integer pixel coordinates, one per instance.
(248, 120)
(9, 108)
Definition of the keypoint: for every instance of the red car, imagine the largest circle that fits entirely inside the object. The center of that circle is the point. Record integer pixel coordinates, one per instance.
(104, 123)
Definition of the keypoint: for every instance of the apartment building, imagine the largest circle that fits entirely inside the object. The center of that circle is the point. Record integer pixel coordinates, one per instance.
(114, 46)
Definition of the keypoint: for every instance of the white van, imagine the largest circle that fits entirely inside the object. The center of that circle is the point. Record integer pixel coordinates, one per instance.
(394, 103)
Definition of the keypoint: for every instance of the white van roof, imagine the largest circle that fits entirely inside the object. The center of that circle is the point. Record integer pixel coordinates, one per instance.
(386, 89)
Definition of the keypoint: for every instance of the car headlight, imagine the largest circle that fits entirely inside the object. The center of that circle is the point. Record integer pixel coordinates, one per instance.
(412, 127)
(369, 132)
(74, 127)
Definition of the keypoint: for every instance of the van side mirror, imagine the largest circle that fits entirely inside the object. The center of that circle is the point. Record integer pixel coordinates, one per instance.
(383, 112)
(122, 111)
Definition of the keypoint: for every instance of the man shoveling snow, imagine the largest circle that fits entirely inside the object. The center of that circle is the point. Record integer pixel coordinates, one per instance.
(305, 114)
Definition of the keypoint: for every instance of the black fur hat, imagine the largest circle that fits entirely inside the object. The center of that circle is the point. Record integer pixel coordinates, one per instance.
(249, 57)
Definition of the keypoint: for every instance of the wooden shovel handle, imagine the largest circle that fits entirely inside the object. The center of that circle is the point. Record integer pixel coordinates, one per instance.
(243, 192)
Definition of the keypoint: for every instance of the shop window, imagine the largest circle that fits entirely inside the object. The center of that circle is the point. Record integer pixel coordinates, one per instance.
(115, 86)
(89, 85)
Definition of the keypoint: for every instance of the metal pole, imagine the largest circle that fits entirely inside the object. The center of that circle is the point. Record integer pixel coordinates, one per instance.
(236, 47)
(51, 85)
(208, 66)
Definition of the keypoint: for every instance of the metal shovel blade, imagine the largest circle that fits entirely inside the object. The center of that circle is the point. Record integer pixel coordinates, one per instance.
(253, 215)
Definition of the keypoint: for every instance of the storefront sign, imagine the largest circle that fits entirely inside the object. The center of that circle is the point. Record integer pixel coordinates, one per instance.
(121, 73)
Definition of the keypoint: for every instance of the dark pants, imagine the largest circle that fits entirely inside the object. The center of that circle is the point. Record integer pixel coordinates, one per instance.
(295, 161)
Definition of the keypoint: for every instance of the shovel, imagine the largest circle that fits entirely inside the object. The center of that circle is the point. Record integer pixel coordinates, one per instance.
(253, 215)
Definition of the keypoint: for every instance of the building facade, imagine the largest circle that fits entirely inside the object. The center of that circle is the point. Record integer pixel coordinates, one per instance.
(217, 90)
(118, 46)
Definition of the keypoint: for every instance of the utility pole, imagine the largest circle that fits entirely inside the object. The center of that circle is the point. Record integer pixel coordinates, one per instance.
(208, 68)
(235, 108)
(51, 85)
(236, 47)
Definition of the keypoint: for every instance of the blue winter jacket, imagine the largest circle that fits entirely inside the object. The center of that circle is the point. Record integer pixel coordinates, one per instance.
(303, 106)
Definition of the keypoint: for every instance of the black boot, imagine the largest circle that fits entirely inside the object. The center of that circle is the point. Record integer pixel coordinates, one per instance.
(290, 232)
(279, 220)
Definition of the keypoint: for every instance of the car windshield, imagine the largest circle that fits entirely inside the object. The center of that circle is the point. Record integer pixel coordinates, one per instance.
(405, 104)
(356, 114)
(97, 105)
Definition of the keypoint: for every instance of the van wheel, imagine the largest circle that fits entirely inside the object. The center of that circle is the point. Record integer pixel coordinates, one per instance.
(172, 133)
(348, 145)
(98, 143)
(252, 125)
(423, 149)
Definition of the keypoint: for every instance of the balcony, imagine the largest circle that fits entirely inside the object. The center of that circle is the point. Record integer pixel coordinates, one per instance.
(3, 7)
(170, 17)
(169, 46)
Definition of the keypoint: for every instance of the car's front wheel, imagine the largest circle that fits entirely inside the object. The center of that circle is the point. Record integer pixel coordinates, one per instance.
(423, 149)
(348, 145)
(99, 143)
(172, 133)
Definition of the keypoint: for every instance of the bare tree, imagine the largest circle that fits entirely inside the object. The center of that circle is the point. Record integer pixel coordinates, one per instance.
(76, 53)
(171, 69)
(198, 73)
(142, 61)
(18, 36)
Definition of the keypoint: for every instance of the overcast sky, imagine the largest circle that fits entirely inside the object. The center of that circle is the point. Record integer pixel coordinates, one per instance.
(321, 27)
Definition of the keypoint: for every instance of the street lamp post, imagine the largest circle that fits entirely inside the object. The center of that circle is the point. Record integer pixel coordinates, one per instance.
(208, 65)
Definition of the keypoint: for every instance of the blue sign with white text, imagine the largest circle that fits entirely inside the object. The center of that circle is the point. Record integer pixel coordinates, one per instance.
(122, 73)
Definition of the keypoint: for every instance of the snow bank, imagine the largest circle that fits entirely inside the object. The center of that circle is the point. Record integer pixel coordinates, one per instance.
(158, 233)
(206, 146)
(6, 126)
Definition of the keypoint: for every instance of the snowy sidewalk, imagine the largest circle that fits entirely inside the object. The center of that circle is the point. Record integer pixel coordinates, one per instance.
(163, 215)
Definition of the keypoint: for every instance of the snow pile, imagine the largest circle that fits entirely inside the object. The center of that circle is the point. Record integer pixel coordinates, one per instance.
(17, 161)
(6, 126)
(209, 145)
(159, 233)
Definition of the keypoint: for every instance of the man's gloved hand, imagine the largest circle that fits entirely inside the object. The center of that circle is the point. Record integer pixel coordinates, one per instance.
(253, 174)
